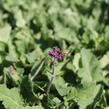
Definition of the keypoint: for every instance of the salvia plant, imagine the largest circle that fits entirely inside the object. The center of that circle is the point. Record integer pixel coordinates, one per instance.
(56, 54)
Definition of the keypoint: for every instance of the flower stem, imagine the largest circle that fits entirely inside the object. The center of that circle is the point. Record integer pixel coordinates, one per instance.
(52, 78)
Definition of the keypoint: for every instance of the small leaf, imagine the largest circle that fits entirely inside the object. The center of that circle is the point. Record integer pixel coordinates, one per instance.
(20, 22)
(104, 60)
(5, 33)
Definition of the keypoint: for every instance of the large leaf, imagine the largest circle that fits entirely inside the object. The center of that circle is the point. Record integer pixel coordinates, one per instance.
(61, 33)
(86, 95)
(90, 70)
(11, 97)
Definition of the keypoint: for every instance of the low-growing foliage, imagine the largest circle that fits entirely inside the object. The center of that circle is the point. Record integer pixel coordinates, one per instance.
(54, 54)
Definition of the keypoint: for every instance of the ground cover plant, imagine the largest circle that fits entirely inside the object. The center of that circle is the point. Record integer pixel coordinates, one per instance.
(54, 54)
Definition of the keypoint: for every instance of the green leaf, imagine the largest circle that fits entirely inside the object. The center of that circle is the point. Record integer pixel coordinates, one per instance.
(104, 60)
(85, 95)
(12, 53)
(5, 33)
(88, 95)
(62, 32)
(2, 46)
(36, 54)
(2, 56)
(11, 97)
(27, 89)
(90, 70)
(106, 81)
(76, 61)
(20, 22)
(61, 86)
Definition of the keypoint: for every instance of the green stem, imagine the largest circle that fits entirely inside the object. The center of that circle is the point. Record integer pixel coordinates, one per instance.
(38, 70)
(52, 78)
(4, 78)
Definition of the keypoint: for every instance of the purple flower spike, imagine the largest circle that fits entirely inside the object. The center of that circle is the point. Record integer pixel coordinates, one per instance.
(49, 53)
(53, 62)
(55, 54)
(59, 56)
